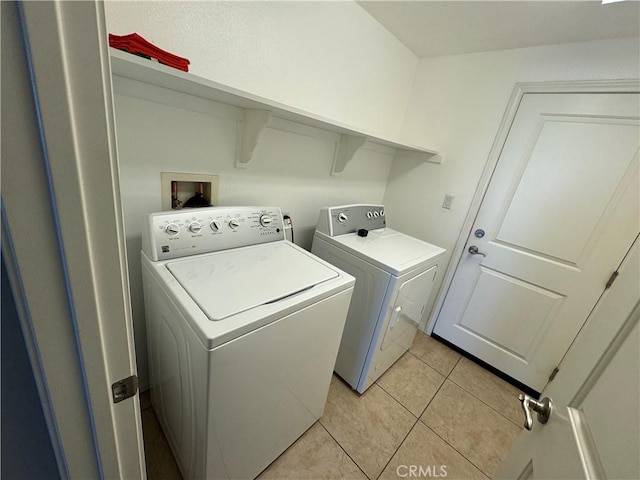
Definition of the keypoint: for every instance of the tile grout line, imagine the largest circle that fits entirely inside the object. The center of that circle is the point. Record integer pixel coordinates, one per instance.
(454, 367)
(459, 452)
(426, 406)
(405, 437)
(472, 394)
(446, 377)
(431, 400)
(485, 403)
(398, 448)
(417, 417)
(342, 448)
(336, 440)
(434, 368)
(410, 430)
(340, 445)
(396, 400)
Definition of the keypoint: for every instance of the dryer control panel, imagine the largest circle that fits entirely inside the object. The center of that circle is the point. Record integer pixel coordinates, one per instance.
(335, 221)
(180, 233)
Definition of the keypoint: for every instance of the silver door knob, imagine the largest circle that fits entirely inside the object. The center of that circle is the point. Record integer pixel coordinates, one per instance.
(543, 407)
(473, 250)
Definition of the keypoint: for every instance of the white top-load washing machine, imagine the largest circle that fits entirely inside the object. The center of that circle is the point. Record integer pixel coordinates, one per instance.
(243, 331)
(394, 279)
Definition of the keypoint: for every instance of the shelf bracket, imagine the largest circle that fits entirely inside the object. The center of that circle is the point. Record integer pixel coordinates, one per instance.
(345, 150)
(430, 157)
(255, 113)
(249, 132)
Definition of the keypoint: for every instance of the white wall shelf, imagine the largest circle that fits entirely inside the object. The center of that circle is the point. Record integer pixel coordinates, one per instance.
(259, 112)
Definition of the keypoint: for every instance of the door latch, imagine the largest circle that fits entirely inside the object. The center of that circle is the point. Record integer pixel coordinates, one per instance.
(473, 250)
(543, 408)
(125, 388)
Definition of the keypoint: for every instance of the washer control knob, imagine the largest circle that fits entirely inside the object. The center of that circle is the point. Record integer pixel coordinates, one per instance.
(215, 225)
(172, 229)
(382, 213)
(234, 223)
(342, 217)
(369, 215)
(376, 213)
(265, 220)
(195, 227)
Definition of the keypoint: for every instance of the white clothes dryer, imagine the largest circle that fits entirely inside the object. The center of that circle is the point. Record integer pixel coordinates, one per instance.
(243, 331)
(394, 278)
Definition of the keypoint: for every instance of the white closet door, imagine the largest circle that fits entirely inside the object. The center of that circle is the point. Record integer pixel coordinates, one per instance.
(560, 213)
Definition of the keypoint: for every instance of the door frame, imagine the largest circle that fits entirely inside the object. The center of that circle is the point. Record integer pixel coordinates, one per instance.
(63, 236)
(519, 90)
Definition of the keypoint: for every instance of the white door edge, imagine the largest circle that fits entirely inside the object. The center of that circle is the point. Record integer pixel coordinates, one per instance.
(595, 338)
(67, 43)
(519, 90)
(609, 326)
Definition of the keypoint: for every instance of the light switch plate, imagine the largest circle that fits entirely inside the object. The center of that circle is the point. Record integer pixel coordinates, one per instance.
(448, 200)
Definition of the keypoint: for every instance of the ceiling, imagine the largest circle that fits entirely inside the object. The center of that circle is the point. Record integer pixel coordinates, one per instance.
(433, 28)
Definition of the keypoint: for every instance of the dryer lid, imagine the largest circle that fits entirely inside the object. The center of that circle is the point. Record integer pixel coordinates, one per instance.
(390, 250)
(232, 281)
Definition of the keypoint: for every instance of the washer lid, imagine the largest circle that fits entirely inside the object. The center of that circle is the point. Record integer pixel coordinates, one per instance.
(229, 282)
(389, 249)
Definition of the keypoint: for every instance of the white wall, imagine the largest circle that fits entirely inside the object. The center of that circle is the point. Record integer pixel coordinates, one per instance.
(332, 59)
(456, 107)
(329, 58)
(288, 170)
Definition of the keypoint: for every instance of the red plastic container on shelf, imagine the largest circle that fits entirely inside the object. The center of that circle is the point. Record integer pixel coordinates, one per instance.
(134, 43)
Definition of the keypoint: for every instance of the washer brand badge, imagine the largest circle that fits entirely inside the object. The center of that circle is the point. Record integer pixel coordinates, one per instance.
(165, 248)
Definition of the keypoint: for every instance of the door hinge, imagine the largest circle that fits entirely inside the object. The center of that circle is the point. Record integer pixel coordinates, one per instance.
(553, 374)
(125, 388)
(612, 279)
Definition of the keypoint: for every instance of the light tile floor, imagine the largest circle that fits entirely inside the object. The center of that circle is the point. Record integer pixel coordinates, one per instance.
(433, 409)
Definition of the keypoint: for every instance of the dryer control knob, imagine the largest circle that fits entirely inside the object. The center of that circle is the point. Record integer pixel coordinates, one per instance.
(382, 213)
(172, 229)
(265, 220)
(369, 215)
(215, 225)
(234, 223)
(195, 227)
(376, 213)
(342, 217)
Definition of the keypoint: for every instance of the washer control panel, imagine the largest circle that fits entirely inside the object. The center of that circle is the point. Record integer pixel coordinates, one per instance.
(179, 233)
(350, 218)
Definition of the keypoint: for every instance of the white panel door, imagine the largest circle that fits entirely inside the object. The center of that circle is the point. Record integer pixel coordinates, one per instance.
(594, 427)
(560, 213)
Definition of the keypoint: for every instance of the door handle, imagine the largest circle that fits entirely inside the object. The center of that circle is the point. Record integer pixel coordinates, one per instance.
(473, 250)
(543, 408)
